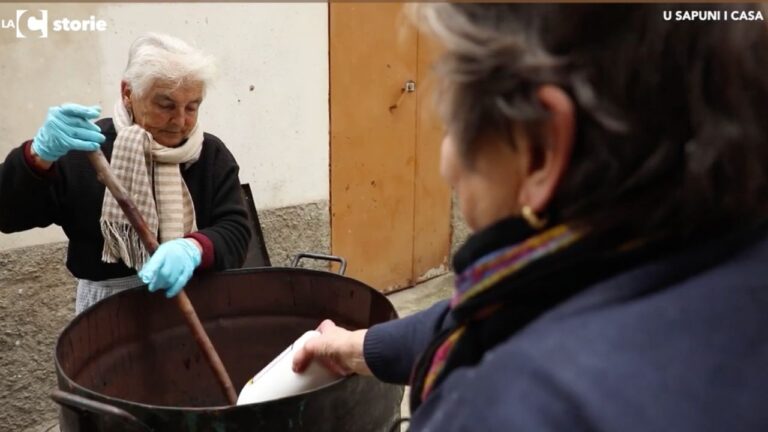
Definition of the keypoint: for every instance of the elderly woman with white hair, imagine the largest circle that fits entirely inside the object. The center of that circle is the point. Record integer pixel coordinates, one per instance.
(184, 181)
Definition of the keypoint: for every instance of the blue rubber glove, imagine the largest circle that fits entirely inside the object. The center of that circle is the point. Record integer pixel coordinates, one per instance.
(171, 266)
(66, 128)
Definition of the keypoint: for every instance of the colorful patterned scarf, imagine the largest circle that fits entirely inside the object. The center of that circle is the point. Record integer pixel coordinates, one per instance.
(486, 273)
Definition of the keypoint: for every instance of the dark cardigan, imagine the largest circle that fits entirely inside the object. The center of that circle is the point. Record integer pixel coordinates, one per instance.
(69, 195)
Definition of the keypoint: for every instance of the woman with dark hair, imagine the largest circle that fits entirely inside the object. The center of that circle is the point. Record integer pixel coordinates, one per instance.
(614, 168)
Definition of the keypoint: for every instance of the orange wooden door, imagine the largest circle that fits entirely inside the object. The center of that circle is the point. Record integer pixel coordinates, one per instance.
(389, 209)
(432, 200)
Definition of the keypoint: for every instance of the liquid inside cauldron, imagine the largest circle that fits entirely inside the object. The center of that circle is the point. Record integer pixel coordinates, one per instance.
(134, 352)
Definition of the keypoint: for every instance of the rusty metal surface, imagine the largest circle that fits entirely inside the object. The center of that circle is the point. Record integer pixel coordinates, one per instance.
(149, 240)
(133, 351)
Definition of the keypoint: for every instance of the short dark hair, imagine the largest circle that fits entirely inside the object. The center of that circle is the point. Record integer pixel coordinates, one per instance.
(671, 116)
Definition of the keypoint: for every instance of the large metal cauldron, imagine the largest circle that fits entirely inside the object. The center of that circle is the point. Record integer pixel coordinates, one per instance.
(130, 364)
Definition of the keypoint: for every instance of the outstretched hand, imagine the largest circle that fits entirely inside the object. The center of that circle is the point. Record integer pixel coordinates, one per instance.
(338, 349)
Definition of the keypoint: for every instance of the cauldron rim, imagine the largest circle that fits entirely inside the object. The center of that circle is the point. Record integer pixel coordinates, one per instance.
(70, 384)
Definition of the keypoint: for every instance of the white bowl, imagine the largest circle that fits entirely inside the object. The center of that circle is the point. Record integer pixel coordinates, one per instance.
(278, 380)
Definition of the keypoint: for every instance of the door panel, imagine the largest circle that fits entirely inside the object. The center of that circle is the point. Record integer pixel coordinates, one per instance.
(389, 210)
(432, 205)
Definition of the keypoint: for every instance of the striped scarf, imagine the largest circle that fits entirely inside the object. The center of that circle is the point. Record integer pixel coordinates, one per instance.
(485, 274)
(151, 176)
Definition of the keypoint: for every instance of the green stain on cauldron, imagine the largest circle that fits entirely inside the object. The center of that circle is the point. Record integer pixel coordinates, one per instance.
(191, 419)
(302, 404)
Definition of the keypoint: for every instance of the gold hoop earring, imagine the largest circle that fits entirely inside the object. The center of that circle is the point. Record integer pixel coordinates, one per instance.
(533, 219)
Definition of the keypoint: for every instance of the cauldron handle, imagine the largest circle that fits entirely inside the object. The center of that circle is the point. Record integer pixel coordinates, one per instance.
(80, 403)
(342, 262)
(107, 177)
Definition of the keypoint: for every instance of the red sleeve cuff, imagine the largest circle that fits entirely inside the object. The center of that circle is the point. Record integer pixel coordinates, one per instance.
(206, 261)
(31, 161)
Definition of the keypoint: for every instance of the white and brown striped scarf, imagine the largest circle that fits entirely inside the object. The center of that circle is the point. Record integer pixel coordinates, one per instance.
(150, 173)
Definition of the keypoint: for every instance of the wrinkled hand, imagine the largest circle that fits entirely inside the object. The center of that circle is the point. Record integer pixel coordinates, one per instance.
(338, 349)
(66, 128)
(171, 266)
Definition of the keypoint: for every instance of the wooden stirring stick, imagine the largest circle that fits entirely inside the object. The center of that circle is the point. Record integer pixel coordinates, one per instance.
(107, 177)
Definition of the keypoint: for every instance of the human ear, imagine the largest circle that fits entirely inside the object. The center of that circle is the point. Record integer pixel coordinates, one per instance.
(544, 172)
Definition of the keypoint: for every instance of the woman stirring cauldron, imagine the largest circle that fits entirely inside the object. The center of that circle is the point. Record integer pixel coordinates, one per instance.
(184, 181)
(614, 169)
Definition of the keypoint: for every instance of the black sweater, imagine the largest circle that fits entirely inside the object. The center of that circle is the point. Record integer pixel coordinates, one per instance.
(69, 195)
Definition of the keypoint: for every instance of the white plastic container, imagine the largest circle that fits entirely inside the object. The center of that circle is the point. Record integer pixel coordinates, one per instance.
(278, 380)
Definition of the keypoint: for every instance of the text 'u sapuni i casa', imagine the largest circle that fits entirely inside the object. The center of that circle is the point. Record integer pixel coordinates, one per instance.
(712, 15)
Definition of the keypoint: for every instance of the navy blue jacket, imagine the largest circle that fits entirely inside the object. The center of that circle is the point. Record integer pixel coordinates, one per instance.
(678, 343)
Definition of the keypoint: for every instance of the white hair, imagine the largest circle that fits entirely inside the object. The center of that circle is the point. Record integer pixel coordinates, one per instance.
(156, 56)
